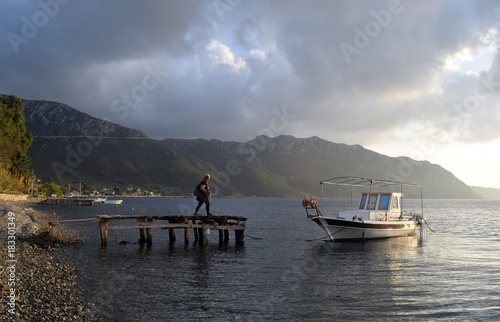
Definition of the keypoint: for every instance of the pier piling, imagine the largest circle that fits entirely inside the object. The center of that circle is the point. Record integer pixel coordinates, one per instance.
(149, 235)
(142, 231)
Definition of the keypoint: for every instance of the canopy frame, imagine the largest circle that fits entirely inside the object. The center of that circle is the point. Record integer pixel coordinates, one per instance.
(371, 183)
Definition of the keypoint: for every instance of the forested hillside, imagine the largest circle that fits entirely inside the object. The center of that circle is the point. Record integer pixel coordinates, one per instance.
(14, 144)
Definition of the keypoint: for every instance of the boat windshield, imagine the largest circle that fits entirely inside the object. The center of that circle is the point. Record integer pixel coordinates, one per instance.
(384, 202)
(372, 201)
(363, 202)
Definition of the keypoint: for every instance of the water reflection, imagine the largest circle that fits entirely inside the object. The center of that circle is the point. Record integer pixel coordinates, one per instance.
(348, 274)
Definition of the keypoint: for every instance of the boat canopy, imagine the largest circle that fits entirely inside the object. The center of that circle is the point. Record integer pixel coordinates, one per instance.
(371, 183)
(365, 182)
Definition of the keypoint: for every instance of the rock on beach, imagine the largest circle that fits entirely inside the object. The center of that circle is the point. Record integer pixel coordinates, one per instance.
(41, 281)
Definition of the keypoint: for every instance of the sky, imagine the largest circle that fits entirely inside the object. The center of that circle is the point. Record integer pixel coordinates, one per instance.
(403, 78)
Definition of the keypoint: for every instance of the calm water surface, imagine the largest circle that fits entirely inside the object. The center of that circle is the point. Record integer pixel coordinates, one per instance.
(286, 270)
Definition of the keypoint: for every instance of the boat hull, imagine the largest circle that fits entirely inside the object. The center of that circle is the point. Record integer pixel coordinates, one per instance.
(341, 229)
(113, 202)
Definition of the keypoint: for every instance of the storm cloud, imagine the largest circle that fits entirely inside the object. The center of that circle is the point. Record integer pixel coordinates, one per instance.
(348, 71)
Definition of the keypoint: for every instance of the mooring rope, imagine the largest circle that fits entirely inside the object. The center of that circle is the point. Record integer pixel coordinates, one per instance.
(427, 224)
(327, 235)
(246, 235)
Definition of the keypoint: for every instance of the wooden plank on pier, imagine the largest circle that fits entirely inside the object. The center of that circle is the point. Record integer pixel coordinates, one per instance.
(199, 224)
(173, 226)
(149, 226)
(56, 221)
(174, 217)
(79, 202)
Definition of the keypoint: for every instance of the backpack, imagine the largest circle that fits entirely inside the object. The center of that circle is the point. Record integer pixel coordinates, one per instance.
(196, 190)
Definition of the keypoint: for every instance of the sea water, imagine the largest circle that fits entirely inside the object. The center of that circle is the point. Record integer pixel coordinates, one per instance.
(287, 270)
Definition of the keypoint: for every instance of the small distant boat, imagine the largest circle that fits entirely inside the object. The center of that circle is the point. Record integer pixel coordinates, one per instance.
(75, 196)
(99, 199)
(113, 201)
(377, 215)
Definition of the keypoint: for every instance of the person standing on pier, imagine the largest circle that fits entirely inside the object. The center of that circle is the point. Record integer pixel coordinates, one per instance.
(203, 195)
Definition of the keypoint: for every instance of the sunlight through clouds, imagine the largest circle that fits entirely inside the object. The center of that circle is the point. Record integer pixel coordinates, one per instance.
(222, 55)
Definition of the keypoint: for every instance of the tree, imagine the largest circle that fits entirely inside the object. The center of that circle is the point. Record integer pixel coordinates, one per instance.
(14, 141)
(6, 181)
(7, 152)
(51, 188)
(118, 191)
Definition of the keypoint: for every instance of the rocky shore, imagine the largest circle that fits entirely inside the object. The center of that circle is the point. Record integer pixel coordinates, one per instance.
(36, 280)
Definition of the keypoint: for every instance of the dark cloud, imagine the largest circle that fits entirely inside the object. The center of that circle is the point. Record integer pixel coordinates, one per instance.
(348, 71)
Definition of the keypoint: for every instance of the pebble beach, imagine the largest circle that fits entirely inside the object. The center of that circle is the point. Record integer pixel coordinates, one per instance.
(38, 283)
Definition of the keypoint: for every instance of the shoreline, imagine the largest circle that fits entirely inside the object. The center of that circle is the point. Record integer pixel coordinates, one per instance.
(37, 280)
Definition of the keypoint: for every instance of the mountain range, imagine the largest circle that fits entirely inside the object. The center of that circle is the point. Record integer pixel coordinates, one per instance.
(70, 146)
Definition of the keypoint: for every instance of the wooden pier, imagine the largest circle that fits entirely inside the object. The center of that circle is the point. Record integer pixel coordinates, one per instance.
(199, 224)
(76, 201)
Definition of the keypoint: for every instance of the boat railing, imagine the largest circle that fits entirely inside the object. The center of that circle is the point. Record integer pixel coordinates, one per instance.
(311, 205)
(386, 216)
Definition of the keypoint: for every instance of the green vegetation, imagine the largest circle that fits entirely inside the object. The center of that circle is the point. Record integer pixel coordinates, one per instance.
(51, 189)
(118, 191)
(14, 144)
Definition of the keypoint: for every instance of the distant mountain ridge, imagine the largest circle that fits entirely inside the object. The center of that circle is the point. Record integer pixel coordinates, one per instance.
(301, 163)
(48, 119)
(487, 193)
(70, 146)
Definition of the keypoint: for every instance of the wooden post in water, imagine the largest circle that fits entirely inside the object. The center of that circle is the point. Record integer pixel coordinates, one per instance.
(202, 234)
(186, 232)
(171, 235)
(239, 234)
(103, 228)
(142, 234)
(149, 235)
(221, 236)
(227, 234)
(195, 231)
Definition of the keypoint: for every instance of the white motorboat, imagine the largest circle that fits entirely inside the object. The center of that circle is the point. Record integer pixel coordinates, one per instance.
(99, 199)
(113, 201)
(377, 215)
